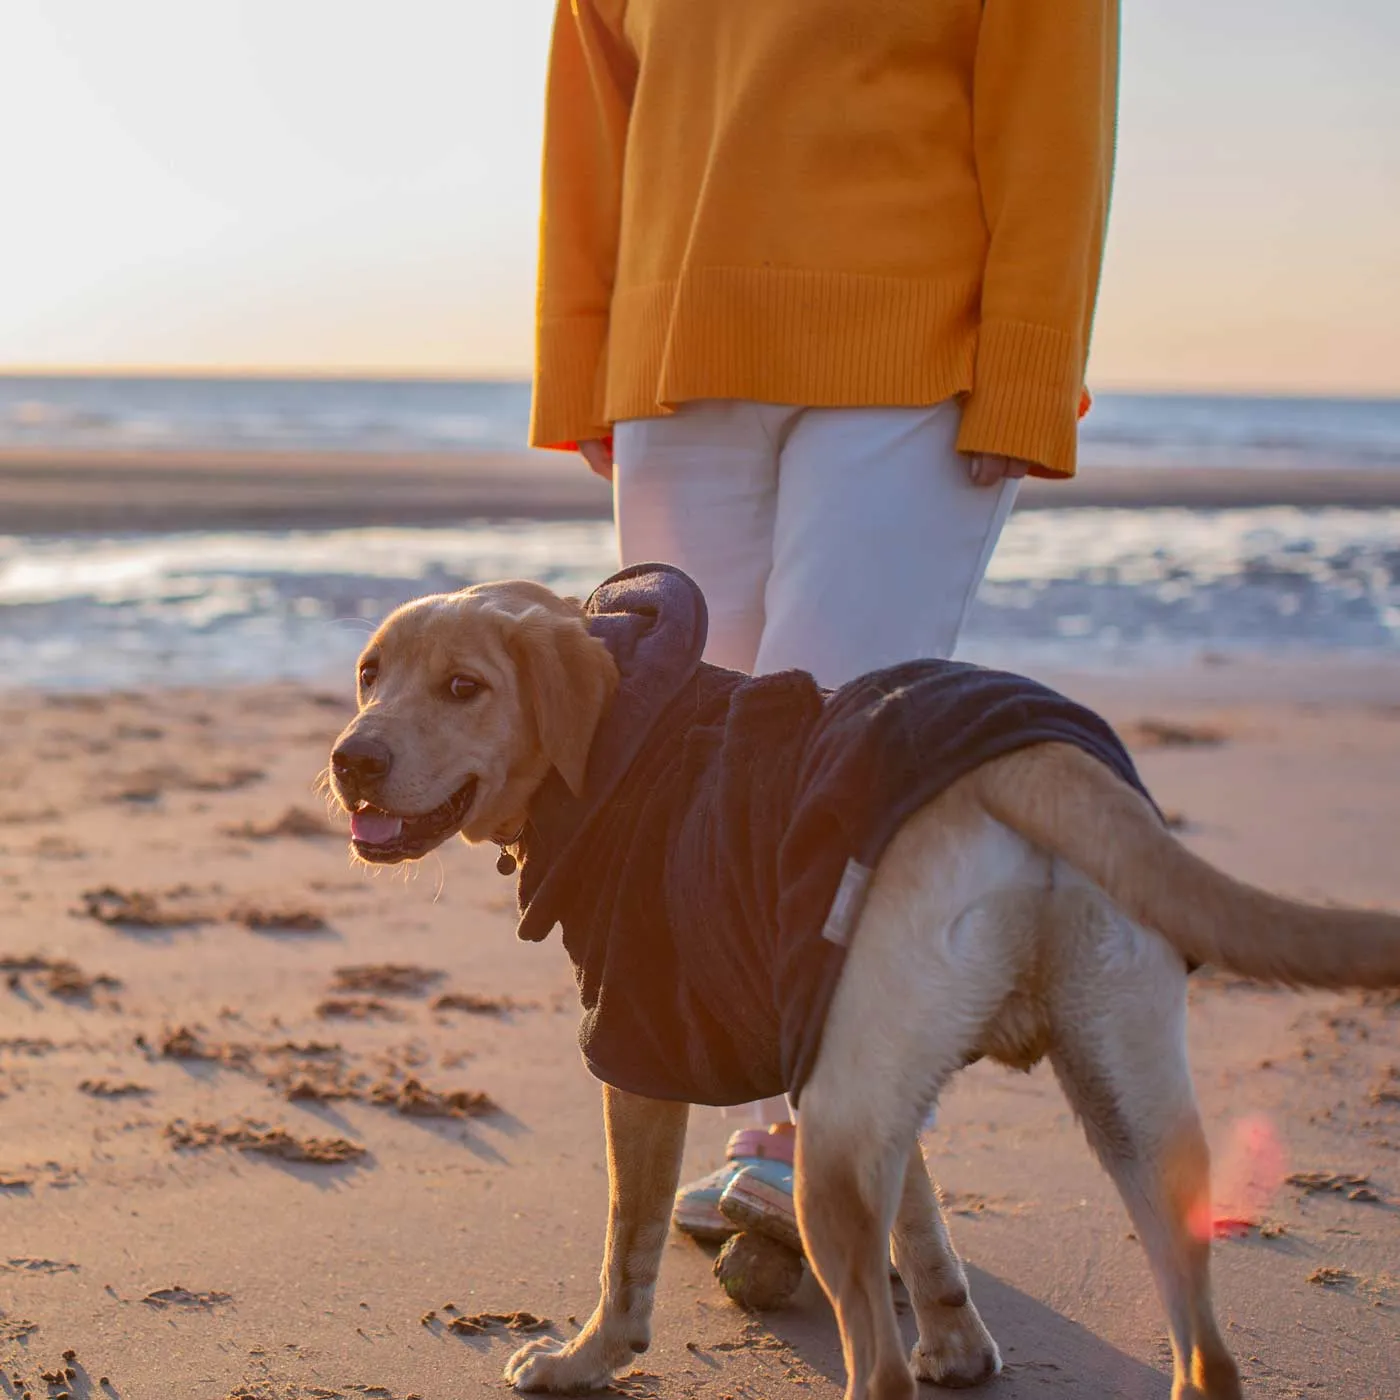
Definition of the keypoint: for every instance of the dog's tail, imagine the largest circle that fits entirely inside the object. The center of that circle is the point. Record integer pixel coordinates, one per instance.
(1071, 805)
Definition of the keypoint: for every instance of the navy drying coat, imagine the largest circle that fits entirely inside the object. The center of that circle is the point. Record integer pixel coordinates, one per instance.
(709, 878)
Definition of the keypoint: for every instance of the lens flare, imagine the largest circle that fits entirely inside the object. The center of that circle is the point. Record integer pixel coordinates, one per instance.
(1247, 1175)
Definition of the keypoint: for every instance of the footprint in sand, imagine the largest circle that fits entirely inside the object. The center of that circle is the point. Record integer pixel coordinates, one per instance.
(295, 821)
(284, 920)
(1149, 733)
(113, 1088)
(1352, 1185)
(246, 1135)
(483, 1323)
(57, 976)
(180, 1297)
(356, 1009)
(390, 979)
(142, 909)
(142, 732)
(29, 816)
(186, 1043)
(16, 1329)
(21, 1180)
(151, 784)
(478, 1004)
(56, 848)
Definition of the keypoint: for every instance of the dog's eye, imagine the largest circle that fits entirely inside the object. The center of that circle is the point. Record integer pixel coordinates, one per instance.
(464, 687)
(369, 673)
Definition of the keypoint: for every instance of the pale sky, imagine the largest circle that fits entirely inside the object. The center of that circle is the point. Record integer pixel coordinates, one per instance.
(352, 185)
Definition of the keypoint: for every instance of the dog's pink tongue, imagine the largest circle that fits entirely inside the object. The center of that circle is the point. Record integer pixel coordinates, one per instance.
(375, 828)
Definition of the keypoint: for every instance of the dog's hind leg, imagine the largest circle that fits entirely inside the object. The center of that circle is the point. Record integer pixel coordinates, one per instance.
(1120, 1055)
(936, 948)
(848, 1188)
(954, 1346)
(645, 1140)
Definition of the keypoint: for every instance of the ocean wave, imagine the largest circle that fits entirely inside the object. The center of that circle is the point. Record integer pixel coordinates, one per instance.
(1071, 587)
(432, 416)
(1245, 430)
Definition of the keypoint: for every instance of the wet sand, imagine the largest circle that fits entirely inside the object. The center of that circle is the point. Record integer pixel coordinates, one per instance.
(273, 1127)
(55, 492)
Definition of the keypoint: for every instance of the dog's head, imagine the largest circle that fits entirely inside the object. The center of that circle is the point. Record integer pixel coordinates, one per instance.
(466, 701)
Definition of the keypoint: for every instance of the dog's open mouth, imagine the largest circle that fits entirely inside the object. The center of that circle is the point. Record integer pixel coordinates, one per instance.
(386, 839)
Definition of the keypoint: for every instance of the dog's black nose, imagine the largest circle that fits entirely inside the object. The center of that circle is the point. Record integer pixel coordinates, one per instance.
(360, 759)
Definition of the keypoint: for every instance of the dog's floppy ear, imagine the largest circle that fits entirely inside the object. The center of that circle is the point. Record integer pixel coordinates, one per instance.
(567, 677)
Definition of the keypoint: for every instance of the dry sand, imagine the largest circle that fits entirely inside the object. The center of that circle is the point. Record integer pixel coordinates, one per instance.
(246, 1151)
(51, 491)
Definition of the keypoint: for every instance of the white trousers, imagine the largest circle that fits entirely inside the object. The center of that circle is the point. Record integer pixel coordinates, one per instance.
(829, 540)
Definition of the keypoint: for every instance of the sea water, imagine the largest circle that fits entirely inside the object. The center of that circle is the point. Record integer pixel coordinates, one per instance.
(1073, 587)
(424, 415)
(1067, 587)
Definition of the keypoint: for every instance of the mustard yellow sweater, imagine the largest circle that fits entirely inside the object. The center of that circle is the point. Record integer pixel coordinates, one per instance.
(825, 203)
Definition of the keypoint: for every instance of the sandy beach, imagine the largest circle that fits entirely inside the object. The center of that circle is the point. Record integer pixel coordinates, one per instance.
(50, 491)
(277, 1128)
(287, 303)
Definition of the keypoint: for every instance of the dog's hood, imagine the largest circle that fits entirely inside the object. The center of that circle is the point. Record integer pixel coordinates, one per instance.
(653, 620)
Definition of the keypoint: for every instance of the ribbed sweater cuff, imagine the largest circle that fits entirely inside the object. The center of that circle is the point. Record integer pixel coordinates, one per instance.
(567, 406)
(1025, 397)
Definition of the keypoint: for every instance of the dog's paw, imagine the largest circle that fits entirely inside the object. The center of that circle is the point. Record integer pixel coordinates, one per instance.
(548, 1364)
(960, 1352)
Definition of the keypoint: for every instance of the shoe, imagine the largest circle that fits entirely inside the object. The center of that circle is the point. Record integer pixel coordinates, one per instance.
(760, 1198)
(697, 1211)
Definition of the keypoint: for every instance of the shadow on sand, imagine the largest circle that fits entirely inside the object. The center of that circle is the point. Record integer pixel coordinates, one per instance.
(1042, 1352)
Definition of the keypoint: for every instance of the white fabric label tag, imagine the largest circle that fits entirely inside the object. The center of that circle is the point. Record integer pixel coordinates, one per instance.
(849, 901)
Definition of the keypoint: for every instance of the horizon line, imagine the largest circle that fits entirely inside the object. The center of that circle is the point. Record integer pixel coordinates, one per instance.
(371, 374)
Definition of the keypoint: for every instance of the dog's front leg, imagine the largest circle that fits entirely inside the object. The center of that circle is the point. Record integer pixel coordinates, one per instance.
(645, 1140)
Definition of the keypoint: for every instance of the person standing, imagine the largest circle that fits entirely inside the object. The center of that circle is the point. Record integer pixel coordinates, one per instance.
(816, 286)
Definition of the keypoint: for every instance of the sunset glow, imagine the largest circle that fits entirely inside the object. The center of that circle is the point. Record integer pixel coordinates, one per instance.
(337, 185)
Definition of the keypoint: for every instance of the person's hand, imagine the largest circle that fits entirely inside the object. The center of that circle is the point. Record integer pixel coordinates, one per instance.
(986, 469)
(595, 453)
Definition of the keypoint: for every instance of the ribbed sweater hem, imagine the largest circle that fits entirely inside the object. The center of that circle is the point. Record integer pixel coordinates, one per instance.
(814, 339)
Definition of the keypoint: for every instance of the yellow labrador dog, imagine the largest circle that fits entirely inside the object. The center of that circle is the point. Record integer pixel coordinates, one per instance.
(1037, 907)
